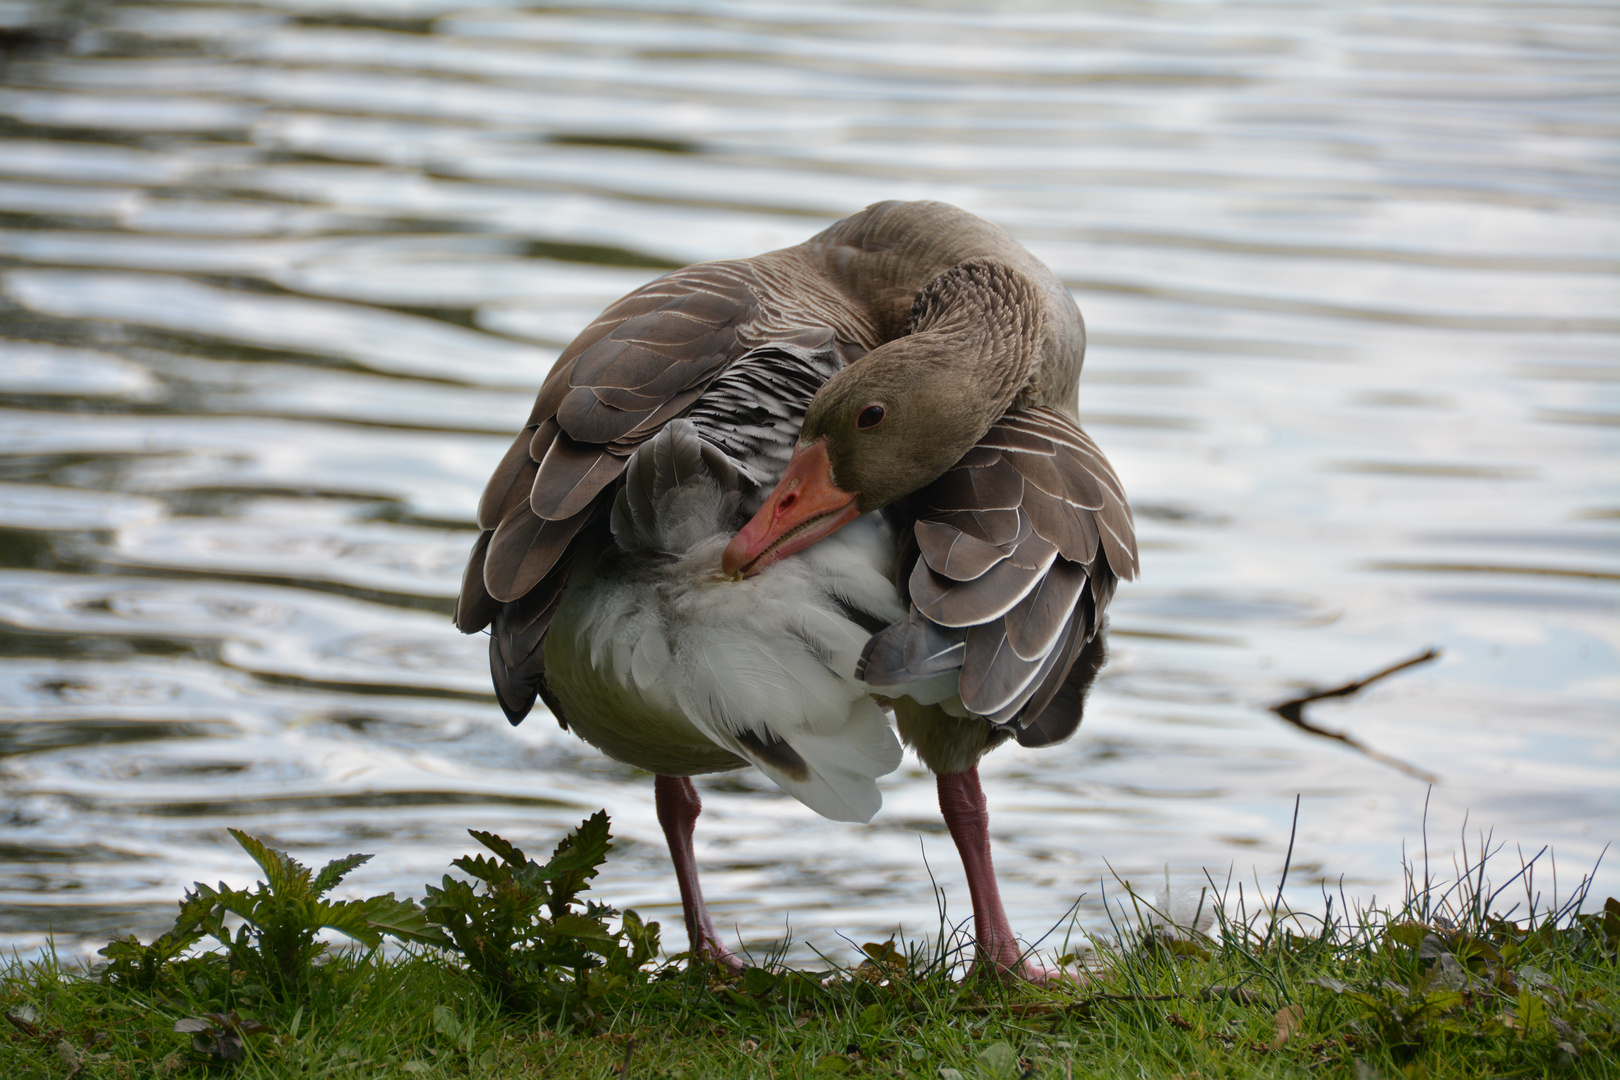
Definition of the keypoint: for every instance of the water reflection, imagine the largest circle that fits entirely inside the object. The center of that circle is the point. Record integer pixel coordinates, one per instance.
(277, 280)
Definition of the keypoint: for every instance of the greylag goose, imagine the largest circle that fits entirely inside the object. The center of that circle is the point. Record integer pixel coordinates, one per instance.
(762, 504)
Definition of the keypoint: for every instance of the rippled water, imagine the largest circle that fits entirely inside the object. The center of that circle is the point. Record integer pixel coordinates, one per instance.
(278, 279)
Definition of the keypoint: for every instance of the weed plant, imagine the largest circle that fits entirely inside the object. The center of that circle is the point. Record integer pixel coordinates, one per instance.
(514, 974)
(525, 937)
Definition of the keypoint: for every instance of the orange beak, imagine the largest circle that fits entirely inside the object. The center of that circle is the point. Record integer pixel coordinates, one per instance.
(805, 507)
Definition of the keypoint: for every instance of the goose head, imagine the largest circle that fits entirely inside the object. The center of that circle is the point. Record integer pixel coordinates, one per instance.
(900, 417)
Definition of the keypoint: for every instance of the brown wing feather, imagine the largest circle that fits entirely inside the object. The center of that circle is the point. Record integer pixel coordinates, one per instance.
(511, 481)
(1034, 625)
(524, 550)
(655, 348)
(954, 553)
(641, 363)
(1007, 544)
(475, 608)
(570, 475)
(988, 596)
(674, 334)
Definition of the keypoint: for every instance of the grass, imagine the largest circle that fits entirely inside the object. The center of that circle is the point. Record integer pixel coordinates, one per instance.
(1446, 985)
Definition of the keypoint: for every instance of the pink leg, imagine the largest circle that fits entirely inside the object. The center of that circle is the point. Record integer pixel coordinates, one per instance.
(961, 801)
(678, 808)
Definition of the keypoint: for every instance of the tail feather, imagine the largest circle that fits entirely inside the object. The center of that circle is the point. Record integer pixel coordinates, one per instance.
(835, 772)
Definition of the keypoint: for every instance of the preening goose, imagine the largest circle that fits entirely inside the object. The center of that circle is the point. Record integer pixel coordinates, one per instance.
(761, 504)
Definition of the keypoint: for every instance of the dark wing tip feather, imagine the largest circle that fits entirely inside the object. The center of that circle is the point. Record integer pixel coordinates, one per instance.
(475, 608)
(517, 658)
(1061, 716)
(515, 689)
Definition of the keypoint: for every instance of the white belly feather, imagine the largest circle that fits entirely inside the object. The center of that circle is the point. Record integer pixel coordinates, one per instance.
(661, 663)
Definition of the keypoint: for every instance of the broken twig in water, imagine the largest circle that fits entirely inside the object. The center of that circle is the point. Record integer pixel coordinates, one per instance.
(1293, 711)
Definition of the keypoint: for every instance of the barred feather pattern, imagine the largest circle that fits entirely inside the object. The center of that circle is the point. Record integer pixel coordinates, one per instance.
(1017, 552)
(753, 412)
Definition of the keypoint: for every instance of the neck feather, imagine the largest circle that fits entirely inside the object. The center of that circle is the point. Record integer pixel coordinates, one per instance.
(990, 317)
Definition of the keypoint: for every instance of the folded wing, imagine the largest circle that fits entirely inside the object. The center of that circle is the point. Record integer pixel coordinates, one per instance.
(645, 360)
(1018, 549)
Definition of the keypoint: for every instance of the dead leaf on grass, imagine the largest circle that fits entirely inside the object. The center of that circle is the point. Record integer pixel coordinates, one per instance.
(1288, 1018)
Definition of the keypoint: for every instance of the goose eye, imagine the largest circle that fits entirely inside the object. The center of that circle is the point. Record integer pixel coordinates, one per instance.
(871, 416)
